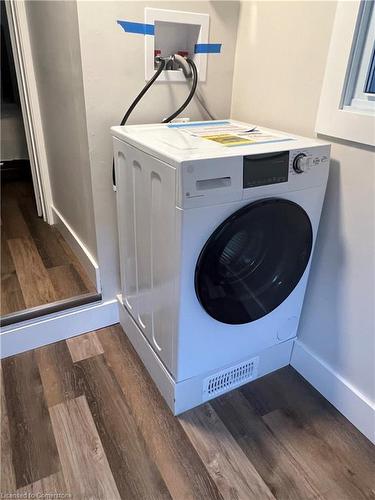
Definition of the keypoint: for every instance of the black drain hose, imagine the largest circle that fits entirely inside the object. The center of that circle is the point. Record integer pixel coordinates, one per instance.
(162, 63)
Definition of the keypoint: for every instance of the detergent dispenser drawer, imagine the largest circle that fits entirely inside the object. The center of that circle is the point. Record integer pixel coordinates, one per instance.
(210, 182)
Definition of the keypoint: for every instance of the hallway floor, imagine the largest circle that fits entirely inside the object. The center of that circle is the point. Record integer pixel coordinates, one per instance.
(37, 265)
(83, 417)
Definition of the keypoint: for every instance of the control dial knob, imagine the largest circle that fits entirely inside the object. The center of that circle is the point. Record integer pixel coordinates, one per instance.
(300, 163)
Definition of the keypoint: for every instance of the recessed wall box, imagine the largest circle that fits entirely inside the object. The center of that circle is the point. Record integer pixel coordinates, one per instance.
(175, 31)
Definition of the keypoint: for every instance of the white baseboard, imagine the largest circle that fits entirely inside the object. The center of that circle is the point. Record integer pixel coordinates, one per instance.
(31, 334)
(82, 253)
(337, 390)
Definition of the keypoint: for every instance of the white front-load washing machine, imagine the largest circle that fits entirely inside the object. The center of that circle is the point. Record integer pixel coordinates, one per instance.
(217, 224)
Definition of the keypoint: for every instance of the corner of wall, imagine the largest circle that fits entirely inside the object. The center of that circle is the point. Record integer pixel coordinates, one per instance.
(336, 389)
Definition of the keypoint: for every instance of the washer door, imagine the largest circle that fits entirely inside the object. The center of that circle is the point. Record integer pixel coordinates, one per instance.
(253, 261)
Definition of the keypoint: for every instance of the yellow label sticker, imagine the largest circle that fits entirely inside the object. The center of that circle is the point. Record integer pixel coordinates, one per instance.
(228, 139)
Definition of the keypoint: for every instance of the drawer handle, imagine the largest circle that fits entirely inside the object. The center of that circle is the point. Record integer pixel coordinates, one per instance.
(218, 182)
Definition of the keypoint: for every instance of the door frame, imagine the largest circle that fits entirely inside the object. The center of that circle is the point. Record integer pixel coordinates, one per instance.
(28, 90)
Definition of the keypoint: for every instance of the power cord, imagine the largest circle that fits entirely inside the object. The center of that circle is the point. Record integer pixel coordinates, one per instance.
(202, 102)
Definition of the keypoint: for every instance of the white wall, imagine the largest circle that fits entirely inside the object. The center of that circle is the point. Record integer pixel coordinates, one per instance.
(338, 316)
(281, 54)
(113, 74)
(280, 60)
(55, 45)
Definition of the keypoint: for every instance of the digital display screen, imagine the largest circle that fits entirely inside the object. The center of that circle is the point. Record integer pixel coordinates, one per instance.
(260, 170)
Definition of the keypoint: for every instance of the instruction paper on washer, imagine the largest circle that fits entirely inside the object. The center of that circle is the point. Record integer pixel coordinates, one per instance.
(229, 134)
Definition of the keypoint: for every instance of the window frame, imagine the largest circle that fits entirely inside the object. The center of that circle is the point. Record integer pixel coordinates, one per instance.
(334, 119)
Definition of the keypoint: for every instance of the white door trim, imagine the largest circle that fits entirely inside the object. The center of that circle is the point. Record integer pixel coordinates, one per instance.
(27, 86)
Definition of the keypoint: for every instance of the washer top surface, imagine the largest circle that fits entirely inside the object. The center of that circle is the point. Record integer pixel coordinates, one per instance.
(181, 142)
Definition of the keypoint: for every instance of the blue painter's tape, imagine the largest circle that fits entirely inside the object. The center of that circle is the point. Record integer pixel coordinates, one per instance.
(207, 48)
(202, 124)
(140, 28)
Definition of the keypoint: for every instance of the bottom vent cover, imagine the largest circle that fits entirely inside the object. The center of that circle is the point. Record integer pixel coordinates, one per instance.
(225, 380)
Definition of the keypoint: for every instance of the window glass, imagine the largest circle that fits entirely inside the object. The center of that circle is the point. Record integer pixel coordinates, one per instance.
(370, 80)
(358, 95)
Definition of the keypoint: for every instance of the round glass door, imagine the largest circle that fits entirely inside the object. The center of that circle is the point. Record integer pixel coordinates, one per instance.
(253, 261)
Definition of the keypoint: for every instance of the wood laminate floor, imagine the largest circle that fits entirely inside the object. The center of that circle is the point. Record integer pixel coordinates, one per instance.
(82, 417)
(37, 265)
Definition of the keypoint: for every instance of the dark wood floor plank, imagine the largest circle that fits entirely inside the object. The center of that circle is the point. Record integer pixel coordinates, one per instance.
(232, 471)
(135, 473)
(78, 443)
(329, 474)
(35, 283)
(84, 346)
(11, 294)
(282, 433)
(12, 220)
(66, 281)
(18, 190)
(57, 372)
(279, 470)
(7, 264)
(44, 236)
(7, 476)
(45, 248)
(33, 444)
(91, 287)
(287, 390)
(180, 465)
(269, 393)
(48, 487)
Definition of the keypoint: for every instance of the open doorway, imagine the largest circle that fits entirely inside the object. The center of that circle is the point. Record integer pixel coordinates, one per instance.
(40, 273)
(14, 154)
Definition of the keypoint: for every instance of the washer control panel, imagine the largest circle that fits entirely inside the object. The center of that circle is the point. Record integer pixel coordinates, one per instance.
(273, 173)
(274, 168)
(301, 162)
(213, 181)
(264, 169)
